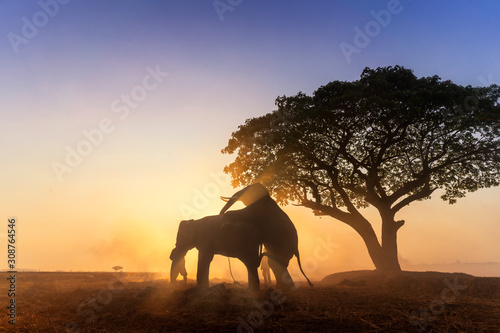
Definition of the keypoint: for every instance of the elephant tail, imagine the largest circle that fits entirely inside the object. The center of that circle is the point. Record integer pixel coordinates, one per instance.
(300, 266)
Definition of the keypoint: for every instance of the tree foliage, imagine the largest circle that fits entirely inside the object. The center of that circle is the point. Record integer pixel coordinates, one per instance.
(384, 140)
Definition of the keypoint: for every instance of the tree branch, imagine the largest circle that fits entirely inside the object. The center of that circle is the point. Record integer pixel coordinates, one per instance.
(336, 213)
(425, 192)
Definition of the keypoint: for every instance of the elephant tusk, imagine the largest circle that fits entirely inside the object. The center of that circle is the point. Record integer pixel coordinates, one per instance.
(226, 199)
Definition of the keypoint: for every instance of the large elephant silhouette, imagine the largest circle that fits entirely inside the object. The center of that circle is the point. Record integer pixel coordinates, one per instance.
(274, 228)
(211, 236)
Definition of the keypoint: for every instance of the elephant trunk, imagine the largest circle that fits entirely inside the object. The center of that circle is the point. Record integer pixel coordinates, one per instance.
(232, 200)
(248, 195)
(174, 271)
(228, 204)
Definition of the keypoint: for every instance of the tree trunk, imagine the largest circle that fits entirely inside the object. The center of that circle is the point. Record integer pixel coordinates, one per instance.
(390, 243)
(385, 257)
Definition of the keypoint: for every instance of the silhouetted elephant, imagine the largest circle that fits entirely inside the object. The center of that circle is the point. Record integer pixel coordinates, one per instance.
(274, 228)
(210, 237)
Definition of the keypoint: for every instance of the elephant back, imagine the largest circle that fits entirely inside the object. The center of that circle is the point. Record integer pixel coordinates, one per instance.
(276, 231)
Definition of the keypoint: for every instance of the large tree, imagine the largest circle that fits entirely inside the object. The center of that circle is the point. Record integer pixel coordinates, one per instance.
(385, 140)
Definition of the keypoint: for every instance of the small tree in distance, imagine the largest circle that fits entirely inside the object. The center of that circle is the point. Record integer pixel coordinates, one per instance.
(385, 140)
(117, 268)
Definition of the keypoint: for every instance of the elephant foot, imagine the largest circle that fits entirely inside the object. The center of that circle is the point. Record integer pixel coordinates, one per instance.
(253, 287)
(202, 285)
(285, 285)
(285, 282)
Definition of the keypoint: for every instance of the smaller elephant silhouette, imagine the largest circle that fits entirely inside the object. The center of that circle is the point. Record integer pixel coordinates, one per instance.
(266, 270)
(211, 236)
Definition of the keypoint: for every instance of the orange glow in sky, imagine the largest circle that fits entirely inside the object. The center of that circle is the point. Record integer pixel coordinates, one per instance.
(114, 116)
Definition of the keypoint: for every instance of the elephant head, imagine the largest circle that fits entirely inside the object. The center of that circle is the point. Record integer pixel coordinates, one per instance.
(248, 196)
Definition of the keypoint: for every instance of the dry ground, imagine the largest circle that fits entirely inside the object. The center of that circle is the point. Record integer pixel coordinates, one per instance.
(361, 301)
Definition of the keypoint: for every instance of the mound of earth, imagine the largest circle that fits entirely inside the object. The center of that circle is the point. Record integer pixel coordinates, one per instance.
(415, 283)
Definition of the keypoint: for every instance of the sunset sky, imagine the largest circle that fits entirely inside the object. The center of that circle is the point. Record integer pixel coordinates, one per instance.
(150, 92)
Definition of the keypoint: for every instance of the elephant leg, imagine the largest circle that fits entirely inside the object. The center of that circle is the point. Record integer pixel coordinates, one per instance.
(253, 277)
(267, 276)
(283, 279)
(204, 260)
(252, 263)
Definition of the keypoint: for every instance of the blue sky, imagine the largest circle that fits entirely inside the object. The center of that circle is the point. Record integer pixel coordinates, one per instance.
(220, 72)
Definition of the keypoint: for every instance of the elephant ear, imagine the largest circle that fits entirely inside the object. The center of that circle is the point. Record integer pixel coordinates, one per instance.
(248, 196)
(183, 232)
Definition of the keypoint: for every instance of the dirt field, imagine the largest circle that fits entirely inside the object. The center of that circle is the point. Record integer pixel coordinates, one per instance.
(345, 302)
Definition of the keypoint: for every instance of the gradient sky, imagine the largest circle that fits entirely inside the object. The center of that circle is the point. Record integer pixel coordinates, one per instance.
(122, 204)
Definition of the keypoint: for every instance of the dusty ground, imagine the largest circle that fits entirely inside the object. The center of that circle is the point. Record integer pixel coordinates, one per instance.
(346, 302)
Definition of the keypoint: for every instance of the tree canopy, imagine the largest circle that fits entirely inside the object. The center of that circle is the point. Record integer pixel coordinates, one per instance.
(384, 140)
